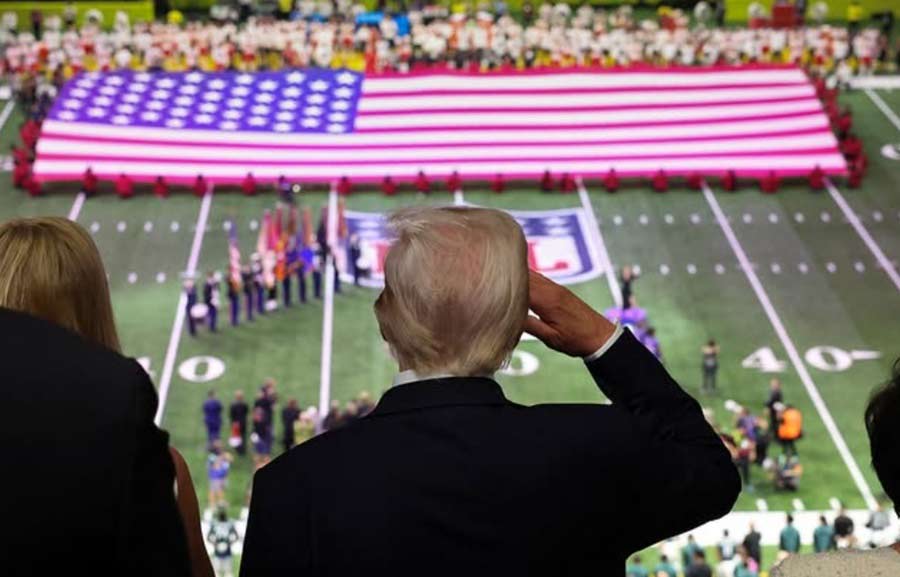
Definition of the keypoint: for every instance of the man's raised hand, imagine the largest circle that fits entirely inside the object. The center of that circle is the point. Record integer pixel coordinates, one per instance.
(564, 322)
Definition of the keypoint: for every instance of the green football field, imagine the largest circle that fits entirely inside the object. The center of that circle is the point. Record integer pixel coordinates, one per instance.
(783, 282)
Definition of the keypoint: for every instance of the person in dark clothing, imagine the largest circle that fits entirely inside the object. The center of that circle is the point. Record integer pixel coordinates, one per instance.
(627, 278)
(190, 292)
(234, 302)
(237, 414)
(354, 251)
(775, 398)
(710, 366)
(211, 300)
(90, 477)
(289, 414)
(752, 544)
(457, 476)
(212, 418)
(247, 284)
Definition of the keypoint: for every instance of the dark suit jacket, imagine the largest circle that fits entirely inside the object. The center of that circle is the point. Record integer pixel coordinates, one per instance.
(448, 477)
(87, 480)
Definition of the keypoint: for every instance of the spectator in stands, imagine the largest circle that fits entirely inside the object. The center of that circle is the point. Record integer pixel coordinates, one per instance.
(455, 303)
(823, 536)
(789, 539)
(222, 535)
(698, 566)
(237, 414)
(882, 418)
(118, 515)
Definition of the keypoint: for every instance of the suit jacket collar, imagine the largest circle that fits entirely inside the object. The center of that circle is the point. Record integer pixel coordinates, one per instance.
(440, 392)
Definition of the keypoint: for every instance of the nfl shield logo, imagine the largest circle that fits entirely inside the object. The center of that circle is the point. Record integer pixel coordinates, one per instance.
(559, 245)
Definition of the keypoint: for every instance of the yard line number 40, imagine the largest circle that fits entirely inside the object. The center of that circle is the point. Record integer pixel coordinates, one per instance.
(823, 357)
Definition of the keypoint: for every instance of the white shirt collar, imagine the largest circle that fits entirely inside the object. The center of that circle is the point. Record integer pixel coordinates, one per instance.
(410, 376)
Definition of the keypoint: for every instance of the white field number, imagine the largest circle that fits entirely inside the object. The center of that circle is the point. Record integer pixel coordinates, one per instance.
(521, 364)
(204, 369)
(824, 358)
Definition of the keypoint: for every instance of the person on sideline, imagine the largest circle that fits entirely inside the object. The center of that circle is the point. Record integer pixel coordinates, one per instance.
(710, 353)
(789, 540)
(60, 350)
(823, 536)
(457, 476)
(882, 418)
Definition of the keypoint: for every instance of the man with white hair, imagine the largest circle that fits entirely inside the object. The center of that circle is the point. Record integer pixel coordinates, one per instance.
(446, 476)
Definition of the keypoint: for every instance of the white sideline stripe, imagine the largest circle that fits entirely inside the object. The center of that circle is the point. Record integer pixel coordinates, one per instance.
(876, 251)
(328, 311)
(598, 241)
(165, 379)
(7, 110)
(792, 353)
(883, 107)
(76, 206)
(458, 199)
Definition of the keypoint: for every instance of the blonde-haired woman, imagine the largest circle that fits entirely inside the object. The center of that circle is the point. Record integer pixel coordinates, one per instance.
(89, 476)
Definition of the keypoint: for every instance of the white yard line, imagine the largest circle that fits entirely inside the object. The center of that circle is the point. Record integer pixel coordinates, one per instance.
(791, 350)
(458, 198)
(178, 327)
(600, 244)
(76, 206)
(883, 107)
(7, 110)
(328, 316)
(876, 251)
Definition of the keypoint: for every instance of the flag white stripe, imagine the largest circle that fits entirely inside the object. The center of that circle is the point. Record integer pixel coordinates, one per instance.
(675, 131)
(576, 81)
(512, 101)
(822, 139)
(758, 163)
(484, 119)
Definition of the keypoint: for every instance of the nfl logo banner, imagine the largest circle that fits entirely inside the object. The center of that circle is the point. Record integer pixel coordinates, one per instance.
(559, 245)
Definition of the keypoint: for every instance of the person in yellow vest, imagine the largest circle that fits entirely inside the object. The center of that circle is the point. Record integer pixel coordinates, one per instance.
(790, 427)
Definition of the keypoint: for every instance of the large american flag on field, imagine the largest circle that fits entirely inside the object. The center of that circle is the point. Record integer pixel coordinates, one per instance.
(318, 125)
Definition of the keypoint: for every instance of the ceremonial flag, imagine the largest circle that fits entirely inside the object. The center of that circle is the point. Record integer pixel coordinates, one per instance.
(318, 125)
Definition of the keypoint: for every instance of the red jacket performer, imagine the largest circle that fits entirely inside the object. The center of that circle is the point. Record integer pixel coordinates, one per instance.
(422, 185)
(817, 178)
(21, 171)
(694, 181)
(31, 185)
(498, 185)
(89, 182)
(160, 187)
(567, 183)
(454, 182)
(660, 181)
(248, 186)
(388, 186)
(611, 181)
(344, 187)
(200, 186)
(854, 176)
(124, 186)
(547, 182)
(769, 183)
(729, 181)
